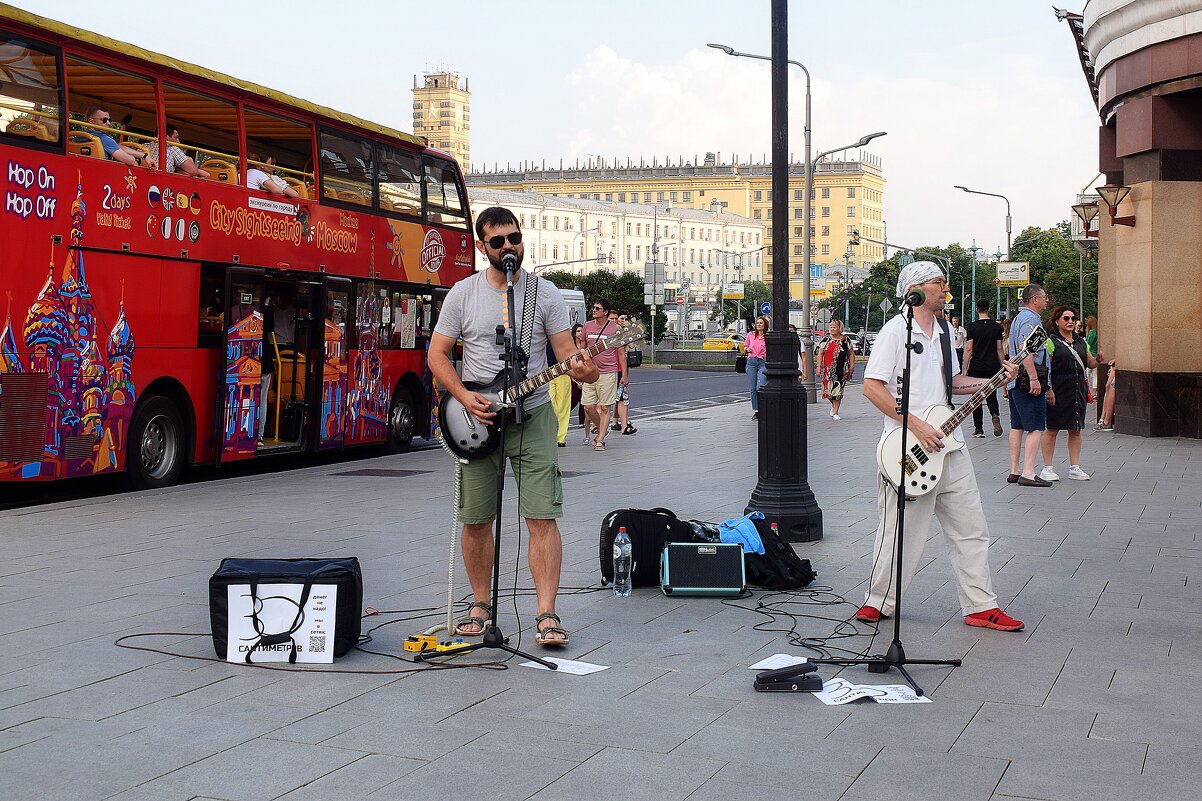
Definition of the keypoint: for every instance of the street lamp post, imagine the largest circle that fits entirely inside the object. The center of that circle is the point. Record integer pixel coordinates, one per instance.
(805, 331)
(1009, 248)
(782, 492)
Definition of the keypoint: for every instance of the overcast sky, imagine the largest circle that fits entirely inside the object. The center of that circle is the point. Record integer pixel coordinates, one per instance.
(988, 95)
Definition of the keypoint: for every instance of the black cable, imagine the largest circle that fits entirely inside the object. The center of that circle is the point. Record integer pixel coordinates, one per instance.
(120, 643)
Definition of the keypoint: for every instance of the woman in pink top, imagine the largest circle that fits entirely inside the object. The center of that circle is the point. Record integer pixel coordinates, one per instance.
(757, 354)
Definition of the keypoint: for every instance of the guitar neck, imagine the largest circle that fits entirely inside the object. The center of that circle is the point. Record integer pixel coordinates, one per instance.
(546, 376)
(961, 414)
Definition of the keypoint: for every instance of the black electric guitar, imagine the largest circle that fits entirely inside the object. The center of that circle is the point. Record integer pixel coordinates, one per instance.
(468, 438)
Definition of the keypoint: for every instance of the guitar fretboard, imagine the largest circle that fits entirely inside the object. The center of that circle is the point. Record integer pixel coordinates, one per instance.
(555, 371)
(963, 411)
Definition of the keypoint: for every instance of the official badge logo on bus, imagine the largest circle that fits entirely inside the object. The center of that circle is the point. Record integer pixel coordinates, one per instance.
(433, 251)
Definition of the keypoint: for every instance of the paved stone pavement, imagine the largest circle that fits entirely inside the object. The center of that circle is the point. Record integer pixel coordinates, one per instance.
(1097, 699)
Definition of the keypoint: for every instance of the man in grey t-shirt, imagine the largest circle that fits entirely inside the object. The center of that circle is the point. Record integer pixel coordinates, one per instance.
(472, 311)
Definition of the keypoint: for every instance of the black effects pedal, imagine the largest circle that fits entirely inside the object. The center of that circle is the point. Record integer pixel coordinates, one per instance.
(793, 679)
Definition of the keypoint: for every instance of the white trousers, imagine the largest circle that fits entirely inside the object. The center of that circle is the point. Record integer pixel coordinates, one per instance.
(957, 503)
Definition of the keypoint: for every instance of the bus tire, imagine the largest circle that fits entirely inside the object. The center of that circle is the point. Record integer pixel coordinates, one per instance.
(155, 457)
(402, 421)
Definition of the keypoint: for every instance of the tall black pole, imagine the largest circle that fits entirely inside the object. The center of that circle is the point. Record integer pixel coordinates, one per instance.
(783, 492)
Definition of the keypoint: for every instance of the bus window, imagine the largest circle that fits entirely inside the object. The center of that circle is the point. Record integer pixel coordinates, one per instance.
(444, 205)
(400, 181)
(113, 114)
(347, 169)
(289, 143)
(208, 131)
(30, 93)
(210, 325)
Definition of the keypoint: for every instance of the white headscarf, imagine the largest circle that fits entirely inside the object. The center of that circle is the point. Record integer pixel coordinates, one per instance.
(915, 273)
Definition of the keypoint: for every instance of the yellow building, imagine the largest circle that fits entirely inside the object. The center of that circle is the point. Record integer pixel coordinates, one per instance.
(848, 195)
(442, 114)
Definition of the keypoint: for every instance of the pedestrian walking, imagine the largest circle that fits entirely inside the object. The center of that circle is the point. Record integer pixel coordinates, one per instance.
(983, 354)
(959, 337)
(757, 355)
(623, 405)
(838, 364)
(1106, 419)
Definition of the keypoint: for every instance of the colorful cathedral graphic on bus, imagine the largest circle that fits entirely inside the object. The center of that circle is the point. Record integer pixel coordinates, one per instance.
(89, 393)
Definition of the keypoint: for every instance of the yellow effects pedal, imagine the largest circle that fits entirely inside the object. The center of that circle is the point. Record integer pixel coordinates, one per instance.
(421, 642)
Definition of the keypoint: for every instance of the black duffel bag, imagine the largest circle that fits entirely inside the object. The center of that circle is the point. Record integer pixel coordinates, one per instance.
(649, 530)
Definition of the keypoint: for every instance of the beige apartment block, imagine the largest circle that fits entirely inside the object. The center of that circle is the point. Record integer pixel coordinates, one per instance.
(442, 113)
(848, 195)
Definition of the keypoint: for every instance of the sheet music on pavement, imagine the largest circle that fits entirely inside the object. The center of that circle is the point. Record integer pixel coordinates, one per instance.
(778, 661)
(841, 691)
(570, 666)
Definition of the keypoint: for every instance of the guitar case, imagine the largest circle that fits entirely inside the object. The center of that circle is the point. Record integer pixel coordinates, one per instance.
(649, 530)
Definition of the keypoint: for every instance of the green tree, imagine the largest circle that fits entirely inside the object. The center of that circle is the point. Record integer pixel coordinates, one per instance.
(747, 309)
(623, 291)
(1059, 267)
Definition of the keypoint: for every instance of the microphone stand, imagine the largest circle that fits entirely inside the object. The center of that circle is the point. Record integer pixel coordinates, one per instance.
(515, 360)
(895, 656)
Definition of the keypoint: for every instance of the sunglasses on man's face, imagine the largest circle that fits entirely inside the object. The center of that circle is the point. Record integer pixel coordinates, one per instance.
(598, 308)
(498, 242)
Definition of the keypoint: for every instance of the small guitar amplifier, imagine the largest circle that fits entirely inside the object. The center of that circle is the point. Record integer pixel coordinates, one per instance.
(702, 568)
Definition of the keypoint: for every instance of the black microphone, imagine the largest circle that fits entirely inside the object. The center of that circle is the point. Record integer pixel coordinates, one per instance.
(509, 263)
(914, 297)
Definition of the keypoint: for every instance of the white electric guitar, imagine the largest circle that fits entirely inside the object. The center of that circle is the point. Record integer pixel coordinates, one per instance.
(918, 471)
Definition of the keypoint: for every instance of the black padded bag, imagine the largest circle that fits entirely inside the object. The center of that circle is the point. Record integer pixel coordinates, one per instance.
(649, 530)
(343, 573)
(778, 567)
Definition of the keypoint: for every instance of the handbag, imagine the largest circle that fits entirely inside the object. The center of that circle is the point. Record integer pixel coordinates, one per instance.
(740, 364)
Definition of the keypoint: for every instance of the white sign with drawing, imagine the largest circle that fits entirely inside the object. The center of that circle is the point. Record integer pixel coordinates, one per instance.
(407, 323)
(277, 610)
(841, 691)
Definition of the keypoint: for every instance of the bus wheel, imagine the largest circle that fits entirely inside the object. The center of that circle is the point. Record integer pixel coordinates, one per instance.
(155, 457)
(402, 419)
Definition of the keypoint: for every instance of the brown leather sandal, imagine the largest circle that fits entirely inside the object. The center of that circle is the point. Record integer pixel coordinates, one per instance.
(540, 635)
(472, 620)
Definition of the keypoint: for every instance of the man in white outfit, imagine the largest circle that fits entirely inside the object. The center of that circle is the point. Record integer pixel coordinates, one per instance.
(956, 500)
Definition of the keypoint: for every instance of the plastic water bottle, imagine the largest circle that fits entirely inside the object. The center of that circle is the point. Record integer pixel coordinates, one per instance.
(622, 585)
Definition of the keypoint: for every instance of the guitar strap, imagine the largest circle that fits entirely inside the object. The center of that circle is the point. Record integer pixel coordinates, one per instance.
(945, 342)
(529, 307)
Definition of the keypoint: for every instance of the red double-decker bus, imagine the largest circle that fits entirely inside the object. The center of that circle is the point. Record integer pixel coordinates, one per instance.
(158, 311)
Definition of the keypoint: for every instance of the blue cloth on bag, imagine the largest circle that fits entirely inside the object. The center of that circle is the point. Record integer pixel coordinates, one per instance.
(742, 531)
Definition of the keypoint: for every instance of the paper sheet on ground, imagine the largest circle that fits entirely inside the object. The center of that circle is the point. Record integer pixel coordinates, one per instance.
(778, 661)
(841, 691)
(570, 666)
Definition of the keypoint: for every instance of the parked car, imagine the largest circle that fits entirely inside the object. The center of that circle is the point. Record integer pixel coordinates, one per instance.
(724, 342)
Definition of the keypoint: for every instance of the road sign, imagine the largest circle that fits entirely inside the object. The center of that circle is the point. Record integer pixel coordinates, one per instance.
(886, 306)
(680, 301)
(685, 284)
(815, 271)
(765, 308)
(653, 272)
(1013, 273)
(732, 292)
(653, 300)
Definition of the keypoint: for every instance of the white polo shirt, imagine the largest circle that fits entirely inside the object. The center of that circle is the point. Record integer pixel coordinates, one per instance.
(888, 358)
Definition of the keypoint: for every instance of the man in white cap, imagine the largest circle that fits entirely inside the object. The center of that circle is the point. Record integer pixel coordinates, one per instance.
(956, 500)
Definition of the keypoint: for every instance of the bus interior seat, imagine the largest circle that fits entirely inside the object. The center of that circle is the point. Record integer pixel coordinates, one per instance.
(219, 170)
(288, 370)
(82, 143)
(35, 129)
(297, 185)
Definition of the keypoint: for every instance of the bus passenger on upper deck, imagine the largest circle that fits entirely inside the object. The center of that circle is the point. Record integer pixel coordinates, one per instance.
(99, 115)
(262, 178)
(177, 159)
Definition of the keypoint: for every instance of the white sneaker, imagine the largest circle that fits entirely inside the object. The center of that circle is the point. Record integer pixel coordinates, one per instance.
(1048, 474)
(834, 417)
(1076, 473)
(831, 412)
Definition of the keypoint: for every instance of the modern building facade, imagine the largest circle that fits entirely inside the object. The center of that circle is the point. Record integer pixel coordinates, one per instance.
(442, 113)
(702, 248)
(848, 194)
(1143, 62)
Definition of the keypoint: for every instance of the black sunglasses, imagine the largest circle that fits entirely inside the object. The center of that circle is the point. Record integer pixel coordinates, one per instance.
(498, 242)
(1067, 317)
(598, 308)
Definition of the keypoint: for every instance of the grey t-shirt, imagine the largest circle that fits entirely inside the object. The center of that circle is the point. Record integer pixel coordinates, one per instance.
(473, 310)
